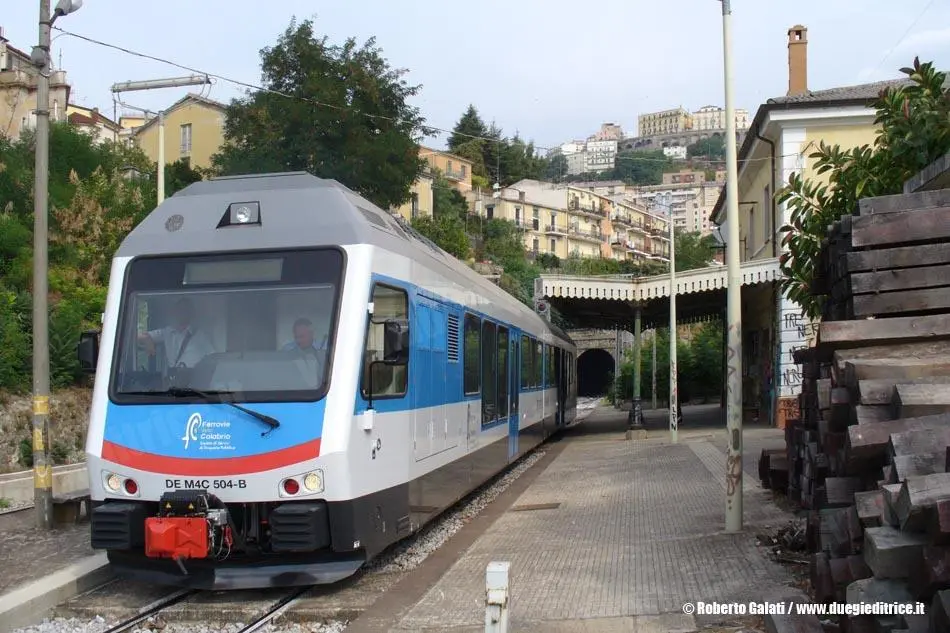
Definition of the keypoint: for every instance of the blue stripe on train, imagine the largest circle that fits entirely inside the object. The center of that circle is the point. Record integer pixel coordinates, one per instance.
(212, 431)
(434, 379)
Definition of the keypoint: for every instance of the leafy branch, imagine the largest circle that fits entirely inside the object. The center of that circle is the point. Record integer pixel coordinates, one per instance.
(913, 122)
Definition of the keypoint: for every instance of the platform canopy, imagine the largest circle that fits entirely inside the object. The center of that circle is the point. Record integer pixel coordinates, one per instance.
(605, 302)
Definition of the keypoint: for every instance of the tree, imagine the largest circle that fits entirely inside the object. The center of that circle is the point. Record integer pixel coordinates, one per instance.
(474, 150)
(180, 174)
(556, 169)
(469, 128)
(337, 112)
(446, 227)
(693, 250)
(92, 207)
(712, 148)
(641, 168)
(914, 131)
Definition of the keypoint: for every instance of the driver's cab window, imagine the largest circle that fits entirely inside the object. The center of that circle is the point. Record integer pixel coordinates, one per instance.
(387, 379)
(173, 331)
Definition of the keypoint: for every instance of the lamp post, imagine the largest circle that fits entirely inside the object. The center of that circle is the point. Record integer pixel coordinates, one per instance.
(154, 84)
(666, 199)
(654, 367)
(733, 297)
(42, 470)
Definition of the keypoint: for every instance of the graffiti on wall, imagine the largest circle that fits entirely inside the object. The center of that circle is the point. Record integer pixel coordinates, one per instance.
(794, 334)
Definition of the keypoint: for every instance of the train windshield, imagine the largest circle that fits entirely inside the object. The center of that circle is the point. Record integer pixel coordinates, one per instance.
(258, 327)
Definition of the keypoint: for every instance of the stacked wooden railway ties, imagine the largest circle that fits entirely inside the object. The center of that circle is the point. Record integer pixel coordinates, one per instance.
(869, 455)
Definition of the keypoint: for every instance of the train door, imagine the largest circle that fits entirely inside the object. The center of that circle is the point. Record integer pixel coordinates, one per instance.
(561, 378)
(514, 394)
(430, 428)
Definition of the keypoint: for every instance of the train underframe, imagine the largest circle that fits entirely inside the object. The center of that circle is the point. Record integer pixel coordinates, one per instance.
(190, 538)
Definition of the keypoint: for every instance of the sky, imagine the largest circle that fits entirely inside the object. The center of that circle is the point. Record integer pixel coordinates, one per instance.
(551, 70)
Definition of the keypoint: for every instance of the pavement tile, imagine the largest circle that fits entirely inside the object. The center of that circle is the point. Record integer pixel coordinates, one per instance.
(638, 532)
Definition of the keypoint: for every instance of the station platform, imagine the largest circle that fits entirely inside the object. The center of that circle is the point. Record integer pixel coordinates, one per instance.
(614, 535)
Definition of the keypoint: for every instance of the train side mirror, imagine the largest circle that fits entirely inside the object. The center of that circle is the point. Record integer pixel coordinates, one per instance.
(396, 342)
(88, 351)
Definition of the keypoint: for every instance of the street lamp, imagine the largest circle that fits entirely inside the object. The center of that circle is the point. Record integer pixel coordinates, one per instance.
(153, 84)
(666, 199)
(733, 296)
(42, 470)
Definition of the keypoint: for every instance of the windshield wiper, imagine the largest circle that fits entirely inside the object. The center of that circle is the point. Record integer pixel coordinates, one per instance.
(212, 396)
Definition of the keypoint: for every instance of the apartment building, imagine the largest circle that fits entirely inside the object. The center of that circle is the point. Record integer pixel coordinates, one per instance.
(601, 155)
(608, 132)
(691, 197)
(455, 169)
(18, 91)
(571, 221)
(194, 131)
(714, 118)
(93, 122)
(666, 122)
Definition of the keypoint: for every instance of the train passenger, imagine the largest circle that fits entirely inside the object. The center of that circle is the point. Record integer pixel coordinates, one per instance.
(303, 337)
(314, 355)
(184, 344)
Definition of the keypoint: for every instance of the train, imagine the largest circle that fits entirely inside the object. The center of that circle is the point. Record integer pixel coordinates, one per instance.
(288, 380)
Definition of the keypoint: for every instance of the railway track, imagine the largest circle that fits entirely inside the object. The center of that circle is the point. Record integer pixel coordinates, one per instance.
(186, 607)
(154, 610)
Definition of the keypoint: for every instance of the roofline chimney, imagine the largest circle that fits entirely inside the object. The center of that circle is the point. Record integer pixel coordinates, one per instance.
(797, 60)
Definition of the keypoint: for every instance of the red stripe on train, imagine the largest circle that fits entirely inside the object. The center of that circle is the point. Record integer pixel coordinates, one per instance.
(164, 464)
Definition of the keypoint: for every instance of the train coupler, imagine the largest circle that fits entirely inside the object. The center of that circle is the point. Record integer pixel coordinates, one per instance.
(190, 524)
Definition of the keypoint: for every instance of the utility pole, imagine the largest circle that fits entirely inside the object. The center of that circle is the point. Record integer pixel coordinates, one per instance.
(654, 367)
(674, 409)
(42, 469)
(154, 84)
(733, 296)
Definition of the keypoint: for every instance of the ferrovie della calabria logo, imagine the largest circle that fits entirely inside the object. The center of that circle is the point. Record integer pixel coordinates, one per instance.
(191, 429)
(209, 436)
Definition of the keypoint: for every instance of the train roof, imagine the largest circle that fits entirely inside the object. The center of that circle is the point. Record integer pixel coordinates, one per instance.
(299, 210)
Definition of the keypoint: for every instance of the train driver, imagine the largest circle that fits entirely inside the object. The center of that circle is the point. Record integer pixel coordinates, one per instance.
(184, 344)
(305, 344)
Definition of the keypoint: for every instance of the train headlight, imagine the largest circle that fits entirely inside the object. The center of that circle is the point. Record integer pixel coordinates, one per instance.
(117, 484)
(114, 482)
(313, 482)
(244, 213)
(300, 485)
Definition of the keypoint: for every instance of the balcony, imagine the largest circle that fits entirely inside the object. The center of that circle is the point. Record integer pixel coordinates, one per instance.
(453, 174)
(622, 219)
(555, 229)
(592, 235)
(588, 209)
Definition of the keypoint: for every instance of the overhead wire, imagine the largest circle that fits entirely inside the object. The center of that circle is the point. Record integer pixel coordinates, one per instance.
(429, 129)
(904, 36)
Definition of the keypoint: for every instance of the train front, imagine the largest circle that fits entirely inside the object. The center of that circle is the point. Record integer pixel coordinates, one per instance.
(204, 450)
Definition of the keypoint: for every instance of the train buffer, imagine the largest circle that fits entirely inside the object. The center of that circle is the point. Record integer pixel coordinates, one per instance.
(68, 507)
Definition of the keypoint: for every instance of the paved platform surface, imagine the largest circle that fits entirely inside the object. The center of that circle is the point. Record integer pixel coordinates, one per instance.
(638, 531)
(28, 553)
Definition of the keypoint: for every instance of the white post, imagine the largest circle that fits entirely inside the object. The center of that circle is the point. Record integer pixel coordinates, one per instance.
(733, 297)
(161, 156)
(674, 430)
(496, 597)
(654, 368)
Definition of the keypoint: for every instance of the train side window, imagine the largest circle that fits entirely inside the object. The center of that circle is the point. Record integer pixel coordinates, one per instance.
(551, 377)
(527, 356)
(473, 337)
(388, 380)
(503, 355)
(536, 370)
(489, 372)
